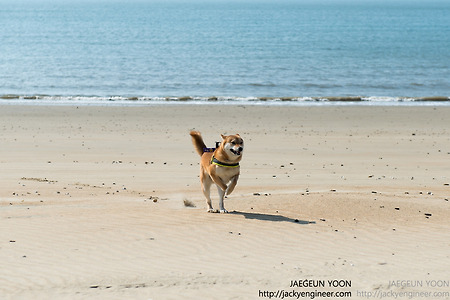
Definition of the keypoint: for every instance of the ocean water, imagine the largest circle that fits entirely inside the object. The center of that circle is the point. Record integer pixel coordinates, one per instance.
(218, 50)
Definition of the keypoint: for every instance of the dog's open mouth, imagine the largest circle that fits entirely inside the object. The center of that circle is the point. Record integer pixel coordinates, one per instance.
(235, 152)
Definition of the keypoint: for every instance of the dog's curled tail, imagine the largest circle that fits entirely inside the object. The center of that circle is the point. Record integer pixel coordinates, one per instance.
(197, 140)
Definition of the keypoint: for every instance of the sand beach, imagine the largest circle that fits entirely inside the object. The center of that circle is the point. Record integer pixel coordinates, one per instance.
(93, 203)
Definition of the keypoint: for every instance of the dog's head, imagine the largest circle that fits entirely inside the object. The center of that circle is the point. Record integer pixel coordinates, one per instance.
(233, 145)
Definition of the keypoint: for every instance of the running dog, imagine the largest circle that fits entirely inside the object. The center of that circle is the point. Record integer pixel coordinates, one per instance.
(219, 165)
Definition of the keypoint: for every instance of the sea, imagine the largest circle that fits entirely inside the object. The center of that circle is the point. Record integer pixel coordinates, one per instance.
(137, 52)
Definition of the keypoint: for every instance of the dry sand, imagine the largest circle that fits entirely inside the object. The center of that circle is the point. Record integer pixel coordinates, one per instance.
(91, 202)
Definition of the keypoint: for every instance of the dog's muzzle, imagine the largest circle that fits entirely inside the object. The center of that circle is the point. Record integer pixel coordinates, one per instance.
(237, 152)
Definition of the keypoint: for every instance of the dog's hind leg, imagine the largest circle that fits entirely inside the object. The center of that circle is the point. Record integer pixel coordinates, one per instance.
(222, 209)
(206, 188)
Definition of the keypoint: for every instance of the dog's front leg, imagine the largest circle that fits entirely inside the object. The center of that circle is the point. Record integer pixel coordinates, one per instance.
(221, 188)
(232, 185)
(217, 180)
(222, 209)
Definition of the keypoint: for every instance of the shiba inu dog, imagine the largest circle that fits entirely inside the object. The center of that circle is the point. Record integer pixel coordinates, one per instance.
(219, 165)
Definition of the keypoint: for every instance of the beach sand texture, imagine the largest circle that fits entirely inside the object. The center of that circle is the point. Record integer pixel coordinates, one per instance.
(92, 201)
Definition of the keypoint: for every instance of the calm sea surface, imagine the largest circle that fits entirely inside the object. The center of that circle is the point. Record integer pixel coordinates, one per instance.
(146, 49)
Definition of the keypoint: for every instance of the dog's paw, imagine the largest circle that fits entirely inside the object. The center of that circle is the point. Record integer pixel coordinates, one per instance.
(223, 211)
(212, 210)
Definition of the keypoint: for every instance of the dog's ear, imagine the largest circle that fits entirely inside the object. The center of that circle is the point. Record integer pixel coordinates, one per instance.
(237, 134)
(223, 136)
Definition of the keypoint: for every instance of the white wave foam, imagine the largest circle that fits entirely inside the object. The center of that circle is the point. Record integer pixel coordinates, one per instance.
(231, 100)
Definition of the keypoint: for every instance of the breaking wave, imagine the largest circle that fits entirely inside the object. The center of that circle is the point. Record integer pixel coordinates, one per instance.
(146, 100)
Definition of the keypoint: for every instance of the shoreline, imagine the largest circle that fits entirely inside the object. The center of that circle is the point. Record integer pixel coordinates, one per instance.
(91, 201)
(13, 99)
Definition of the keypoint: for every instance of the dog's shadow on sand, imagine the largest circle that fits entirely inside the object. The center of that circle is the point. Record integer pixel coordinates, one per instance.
(272, 218)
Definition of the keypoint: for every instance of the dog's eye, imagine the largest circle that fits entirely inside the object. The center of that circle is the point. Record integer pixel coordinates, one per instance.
(233, 142)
